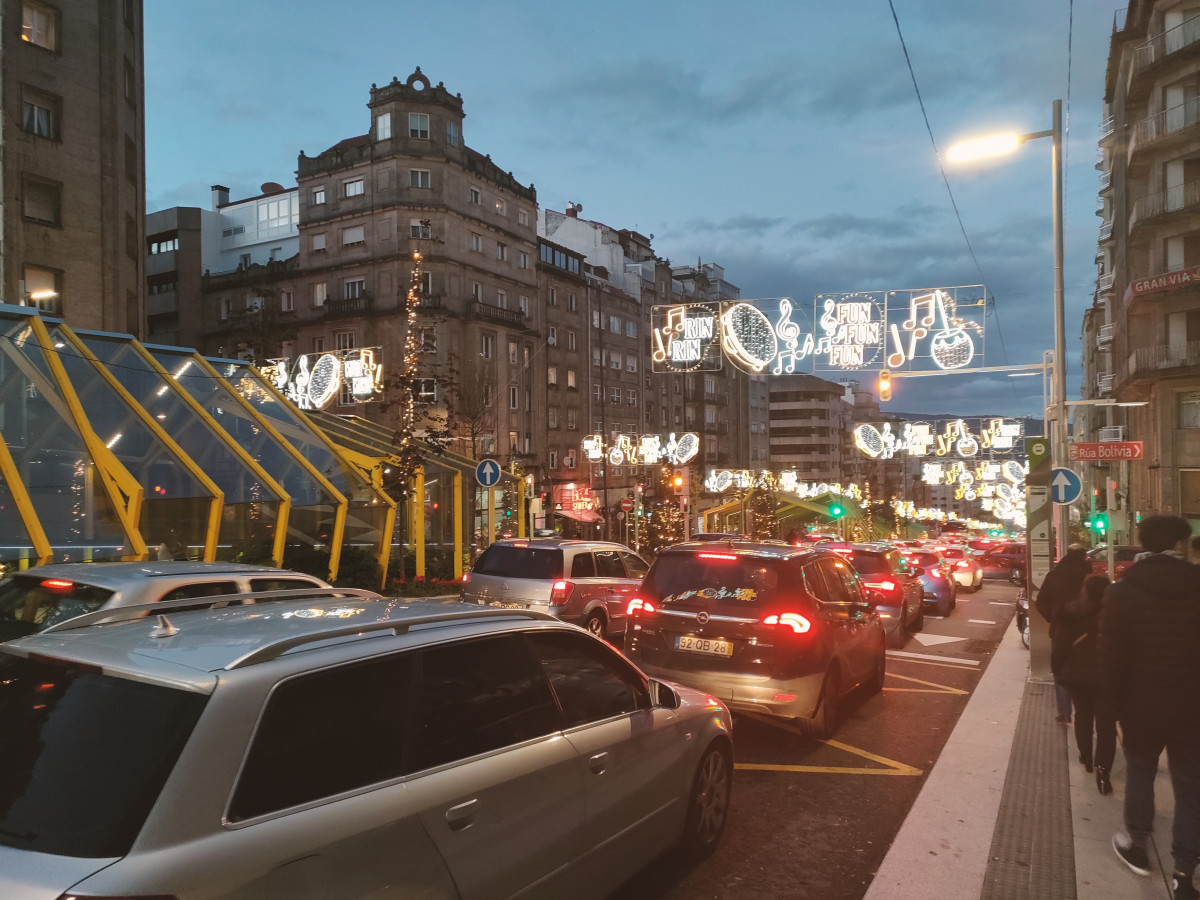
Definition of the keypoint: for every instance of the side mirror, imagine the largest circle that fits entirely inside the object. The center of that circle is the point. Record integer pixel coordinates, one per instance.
(874, 597)
(663, 695)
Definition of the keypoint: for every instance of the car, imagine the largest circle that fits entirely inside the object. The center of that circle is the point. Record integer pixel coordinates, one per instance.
(965, 568)
(885, 569)
(767, 628)
(937, 585)
(999, 560)
(718, 536)
(1123, 558)
(42, 596)
(346, 746)
(587, 583)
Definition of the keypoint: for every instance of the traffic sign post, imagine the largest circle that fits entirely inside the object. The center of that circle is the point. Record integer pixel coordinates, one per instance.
(1065, 486)
(1038, 509)
(487, 473)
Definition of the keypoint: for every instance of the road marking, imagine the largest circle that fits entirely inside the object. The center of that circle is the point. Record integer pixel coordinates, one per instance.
(926, 662)
(928, 689)
(893, 767)
(1001, 602)
(981, 621)
(904, 654)
(931, 640)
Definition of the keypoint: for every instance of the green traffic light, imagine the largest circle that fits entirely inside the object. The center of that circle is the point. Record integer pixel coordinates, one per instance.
(836, 511)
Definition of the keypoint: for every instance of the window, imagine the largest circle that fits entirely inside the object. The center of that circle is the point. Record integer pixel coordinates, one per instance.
(571, 340)
(418, 178)
(287, 301)
(426, 390)
(383, 126)
(418, 125)
(353, 188)
(597, 358)
(552, 376)
(43, 202)
(513, 353)
(569, 460)
(523, 217)
(591, 682)
(487, 345)
(631, 397)
(502, 299)
(523, 306)
(597, 393)
(40, 113)
(452, 134)
(39, 25)
(502, 252)
(630, 328)
(571, 383)
(523, 260)
(514, 399)
(344, 340)
(318, 243)
(476, 292)
(1189, 410)
(355, 234)
(614, 360)
(614, 324)
(597, 320)
(475, 196)
(476, 243)
(318, 196)
(553, 297)
(426, 339)
(427, 283)
(552, 417)
(614, 396)
(363, 708)
(163, 244)
(571, 302)
(226, 308)
(552, 336)
(502, 207)
(630, 363)
(420, 229)
(572, 419)
(43, 288)
(353, 288)
(318, 344)
(320, 293)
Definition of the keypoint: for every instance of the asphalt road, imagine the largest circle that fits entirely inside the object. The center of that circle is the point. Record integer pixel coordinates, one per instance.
(814, 819)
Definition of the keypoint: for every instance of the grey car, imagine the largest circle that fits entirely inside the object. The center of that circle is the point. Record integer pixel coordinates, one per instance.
(938, 586)
(43, 596)
(587, 583)
(345, 746)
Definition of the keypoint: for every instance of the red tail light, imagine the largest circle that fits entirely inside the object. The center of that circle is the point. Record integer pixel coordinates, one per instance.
(57, 584)
(881, 585)
(794, 621)
(561, 593)
(639, 606)
(716, 556)
(466, 577)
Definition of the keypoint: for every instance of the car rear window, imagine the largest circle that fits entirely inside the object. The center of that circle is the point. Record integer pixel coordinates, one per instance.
(924, 559)
(84, 755)
(31, 603)
(869, 563)
(718, 580)
(508, 561)
(951, 553)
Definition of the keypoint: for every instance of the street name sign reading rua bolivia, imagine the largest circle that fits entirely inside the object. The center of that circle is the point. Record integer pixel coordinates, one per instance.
(1106, 450)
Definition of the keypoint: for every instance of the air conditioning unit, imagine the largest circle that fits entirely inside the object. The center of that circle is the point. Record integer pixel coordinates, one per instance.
(1112, 433)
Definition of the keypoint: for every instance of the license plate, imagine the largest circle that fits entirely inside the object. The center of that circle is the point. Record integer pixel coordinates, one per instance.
(506, 605)
(703, 645)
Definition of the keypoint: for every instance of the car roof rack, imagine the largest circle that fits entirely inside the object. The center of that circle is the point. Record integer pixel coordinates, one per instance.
(213, 601)
(399, 626)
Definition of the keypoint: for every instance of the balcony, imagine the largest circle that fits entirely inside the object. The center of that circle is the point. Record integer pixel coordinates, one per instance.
(1106, 230)
(348, 307)
(513, 318)
(1183, 198)
(1164, 360)
(1104, 283)
(1107, 127)
(1182, 40)
(1110, 433)
(1105, 181)
(1104, 337)
(1162, 125)
(1104, 383)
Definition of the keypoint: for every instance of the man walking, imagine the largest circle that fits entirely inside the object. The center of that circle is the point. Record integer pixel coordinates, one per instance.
(1061, 585)
(1149, 643)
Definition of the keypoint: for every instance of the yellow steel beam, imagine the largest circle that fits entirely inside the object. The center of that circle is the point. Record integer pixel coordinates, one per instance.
(25, 508)
(459, 525)
(418, 506)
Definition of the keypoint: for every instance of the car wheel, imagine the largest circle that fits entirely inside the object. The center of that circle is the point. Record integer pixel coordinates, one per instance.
(875, 681)
(822, 725)
(708, 806)
(595, 625)
(919, 622)
(945, 607)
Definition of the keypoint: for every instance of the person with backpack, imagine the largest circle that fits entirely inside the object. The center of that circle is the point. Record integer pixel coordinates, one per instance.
(1061, 585)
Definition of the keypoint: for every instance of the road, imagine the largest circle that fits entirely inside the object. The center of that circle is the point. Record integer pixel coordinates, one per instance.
(814, 819)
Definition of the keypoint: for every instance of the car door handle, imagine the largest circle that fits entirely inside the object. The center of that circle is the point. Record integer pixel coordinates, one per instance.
(598, 763)
(461, 816)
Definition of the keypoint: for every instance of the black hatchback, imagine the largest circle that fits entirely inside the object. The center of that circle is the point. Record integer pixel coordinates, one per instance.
(767, 628)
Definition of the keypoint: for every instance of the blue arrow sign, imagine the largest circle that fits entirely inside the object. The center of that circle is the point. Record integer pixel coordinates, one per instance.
(487, 472)
(1065, 486)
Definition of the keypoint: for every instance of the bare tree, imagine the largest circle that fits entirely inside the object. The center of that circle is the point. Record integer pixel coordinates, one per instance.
(470, 404)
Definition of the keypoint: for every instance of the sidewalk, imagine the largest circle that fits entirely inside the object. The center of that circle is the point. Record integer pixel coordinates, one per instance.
(1008, 813)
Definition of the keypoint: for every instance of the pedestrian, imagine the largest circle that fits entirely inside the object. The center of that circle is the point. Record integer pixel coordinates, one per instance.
(1075, 663)
(1149, 647)
(1062, 584)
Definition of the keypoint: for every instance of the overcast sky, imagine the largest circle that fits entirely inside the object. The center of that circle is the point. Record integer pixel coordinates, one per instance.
(783, 140)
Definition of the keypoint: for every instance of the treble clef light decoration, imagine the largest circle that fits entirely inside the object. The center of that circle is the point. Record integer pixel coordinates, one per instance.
(788, 333)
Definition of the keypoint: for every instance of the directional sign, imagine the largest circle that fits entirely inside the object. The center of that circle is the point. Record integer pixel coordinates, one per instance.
(1065, 486)
(1106, 450)
(487, 473)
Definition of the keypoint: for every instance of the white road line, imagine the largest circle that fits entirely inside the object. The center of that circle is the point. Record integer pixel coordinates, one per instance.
(1001, 602)
(904, 654)
(981, 621)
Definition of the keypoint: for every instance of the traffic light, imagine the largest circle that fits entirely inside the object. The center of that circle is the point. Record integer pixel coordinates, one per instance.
(1099, 523)
(679, 482)
(885, 385)
(837, 510)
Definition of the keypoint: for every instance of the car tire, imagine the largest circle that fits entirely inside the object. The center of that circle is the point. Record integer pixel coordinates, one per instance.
(595, 624)
(919, 622)
(824, 723)
(946, 607)
(874, 682)
(708, 805)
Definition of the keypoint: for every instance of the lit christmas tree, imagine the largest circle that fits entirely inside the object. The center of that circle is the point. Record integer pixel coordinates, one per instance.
(664, 520)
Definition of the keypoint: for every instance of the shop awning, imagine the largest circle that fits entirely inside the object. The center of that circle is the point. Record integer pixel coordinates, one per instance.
(580, 515)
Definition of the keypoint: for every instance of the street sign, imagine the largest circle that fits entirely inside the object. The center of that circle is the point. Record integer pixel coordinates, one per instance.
(627, 504)
(1065, 486)
(1106, 450)
(487, 473)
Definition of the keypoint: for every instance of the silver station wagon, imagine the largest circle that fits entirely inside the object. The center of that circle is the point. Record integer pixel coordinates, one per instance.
(343, 746)
(587, 583)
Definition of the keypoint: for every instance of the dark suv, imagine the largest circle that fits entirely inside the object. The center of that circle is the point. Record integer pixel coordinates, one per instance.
(768, 628)
(886, 569)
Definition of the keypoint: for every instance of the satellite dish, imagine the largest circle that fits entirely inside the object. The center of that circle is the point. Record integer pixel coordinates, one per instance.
(272, 187)
(578, 207)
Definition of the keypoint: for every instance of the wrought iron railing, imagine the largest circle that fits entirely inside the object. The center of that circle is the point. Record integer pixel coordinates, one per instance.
(1146, 360)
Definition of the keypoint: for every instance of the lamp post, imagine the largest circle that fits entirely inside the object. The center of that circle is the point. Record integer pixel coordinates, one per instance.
(1058, 388)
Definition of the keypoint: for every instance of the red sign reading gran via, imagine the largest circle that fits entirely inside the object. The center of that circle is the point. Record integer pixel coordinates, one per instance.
(1106, 450)
(1165, 281)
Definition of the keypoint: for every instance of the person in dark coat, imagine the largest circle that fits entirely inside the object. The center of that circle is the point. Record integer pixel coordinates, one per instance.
(1061, 585)
(1149, 645)
(1074, 661)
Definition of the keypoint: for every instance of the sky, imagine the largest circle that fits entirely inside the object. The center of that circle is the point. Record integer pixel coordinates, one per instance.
(781, 139)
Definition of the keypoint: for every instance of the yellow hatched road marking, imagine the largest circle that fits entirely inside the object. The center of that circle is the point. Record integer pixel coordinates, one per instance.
(925, 662)
(931, 687)
(892, 766)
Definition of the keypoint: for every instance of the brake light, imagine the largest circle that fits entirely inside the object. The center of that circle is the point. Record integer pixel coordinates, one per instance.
(962, 564)
(794, 621)
(881, 585)
(57, 584)
(520, 543)
(561, 593)
(638, 605)
(466, 577)
(716, 556)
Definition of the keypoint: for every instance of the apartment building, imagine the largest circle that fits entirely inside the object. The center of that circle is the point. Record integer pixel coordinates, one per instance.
(1149, 252)
(72, 160)
(809, 417)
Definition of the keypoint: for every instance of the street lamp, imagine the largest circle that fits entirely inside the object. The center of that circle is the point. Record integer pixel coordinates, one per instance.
(993, 146)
